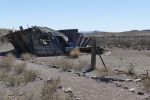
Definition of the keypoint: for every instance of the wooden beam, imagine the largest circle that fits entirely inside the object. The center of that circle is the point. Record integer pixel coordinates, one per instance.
(85, 40)
(79, 41)
(88, 41)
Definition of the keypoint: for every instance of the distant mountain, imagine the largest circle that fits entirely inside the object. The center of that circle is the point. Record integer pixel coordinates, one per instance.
(125, 33)
(89, 32)
(101, 33)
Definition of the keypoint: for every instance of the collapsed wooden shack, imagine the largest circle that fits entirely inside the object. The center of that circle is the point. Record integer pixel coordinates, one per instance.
(42, 40)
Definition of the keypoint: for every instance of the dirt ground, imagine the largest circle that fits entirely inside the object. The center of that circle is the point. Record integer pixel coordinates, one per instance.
(86, 88)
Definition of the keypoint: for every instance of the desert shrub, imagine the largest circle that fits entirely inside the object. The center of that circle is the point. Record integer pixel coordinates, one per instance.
(3, 95)
(29, 96)
(146, 84)
(27, 56)
(130, 70)
(19, 68)
(15, 80)
(7, 62)
(3, 75)
(128, 41)
(65, 64)
(26, 96)
(3, 39)
(15, 73)
(49, 90)
(77, 67)
(29, 76)
(12, 80)
(80, 64)
(75, 53)
(104, 71)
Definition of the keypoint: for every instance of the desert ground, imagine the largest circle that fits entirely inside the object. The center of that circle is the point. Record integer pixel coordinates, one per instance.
(124, 78)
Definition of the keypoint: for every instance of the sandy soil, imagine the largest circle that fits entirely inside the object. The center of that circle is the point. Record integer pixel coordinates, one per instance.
(86, 88)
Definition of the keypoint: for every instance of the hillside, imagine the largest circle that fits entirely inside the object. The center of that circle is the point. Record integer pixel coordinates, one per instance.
(126, 76)
(4, 31)
(125, 33)
(134, 39)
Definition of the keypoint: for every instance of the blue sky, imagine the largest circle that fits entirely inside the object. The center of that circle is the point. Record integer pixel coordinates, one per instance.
(86, 15)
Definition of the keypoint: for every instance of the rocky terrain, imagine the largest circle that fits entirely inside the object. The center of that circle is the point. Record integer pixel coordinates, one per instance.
(63, 78)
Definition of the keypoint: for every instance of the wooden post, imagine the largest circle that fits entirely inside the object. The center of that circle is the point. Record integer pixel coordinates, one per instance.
(93, 55)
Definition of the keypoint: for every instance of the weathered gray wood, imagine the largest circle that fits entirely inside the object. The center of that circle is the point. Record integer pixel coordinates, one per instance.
(83, 43)
(93, 55)
(80, 39)
(88, 41)
(21, 28)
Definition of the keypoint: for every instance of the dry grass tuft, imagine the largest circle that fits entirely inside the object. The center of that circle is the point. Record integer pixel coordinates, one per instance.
(80, 64)
(146, 84)
(104, 71)
(3, 95)
(3, 39)
(12, 80)
(19, 68)
(26, 96)
(17, 80)
(25, 76)
(13, 73)
(7, 62)
(49, 90)
(75, 53)
(130, 70)
(29, 76)
(27, 56)
(65, 64)
(3, 75)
